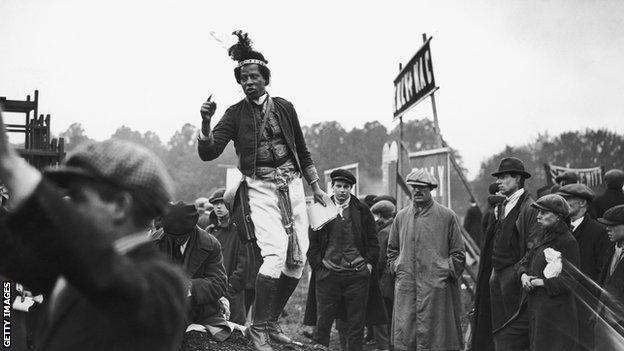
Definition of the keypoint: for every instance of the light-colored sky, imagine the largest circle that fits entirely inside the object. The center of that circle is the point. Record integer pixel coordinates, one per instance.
(507, 70)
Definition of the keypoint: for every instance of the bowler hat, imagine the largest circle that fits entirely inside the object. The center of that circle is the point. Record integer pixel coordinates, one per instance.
(217, 196)
(180, 219)
(511, 165)
(342, 174)
(581, 191)
(553, 203)
(421, 177)
(613, 216)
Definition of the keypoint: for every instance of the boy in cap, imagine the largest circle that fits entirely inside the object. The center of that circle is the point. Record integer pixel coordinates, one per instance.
(273, 157)
(199, 255)
(343, 255)
(593, 243)
(427, 255)
(613, 194)
(235, 254)
(506, 243)
(106, 285)
(609, 330)
(384, 212)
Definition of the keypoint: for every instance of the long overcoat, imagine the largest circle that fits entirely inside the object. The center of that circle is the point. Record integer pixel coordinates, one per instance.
(553, 320)
(427, 254)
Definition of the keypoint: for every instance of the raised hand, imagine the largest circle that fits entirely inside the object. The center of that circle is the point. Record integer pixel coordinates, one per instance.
(208, 109)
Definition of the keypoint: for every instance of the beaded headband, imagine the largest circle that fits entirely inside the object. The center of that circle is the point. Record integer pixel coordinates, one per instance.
(250, 61)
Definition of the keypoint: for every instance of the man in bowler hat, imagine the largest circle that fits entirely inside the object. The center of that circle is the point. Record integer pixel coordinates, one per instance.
(498, 298)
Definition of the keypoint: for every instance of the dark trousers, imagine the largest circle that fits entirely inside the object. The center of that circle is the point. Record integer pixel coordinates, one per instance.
(346, 291)
(250, 295)
(515, 335)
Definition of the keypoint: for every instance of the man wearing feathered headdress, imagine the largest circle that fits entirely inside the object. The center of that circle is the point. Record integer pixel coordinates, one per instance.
(273, 157)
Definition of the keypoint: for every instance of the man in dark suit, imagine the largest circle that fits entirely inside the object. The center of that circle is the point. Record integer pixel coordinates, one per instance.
(609, 327)
(106, 286)
(342, 255)
(593, 244)
(199, 255)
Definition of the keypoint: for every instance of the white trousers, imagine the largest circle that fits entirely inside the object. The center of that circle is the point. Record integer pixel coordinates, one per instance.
(270, 233)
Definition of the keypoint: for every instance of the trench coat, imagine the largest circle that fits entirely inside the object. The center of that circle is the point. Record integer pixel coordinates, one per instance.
(427, 254)
(553, 319)
(609, 326)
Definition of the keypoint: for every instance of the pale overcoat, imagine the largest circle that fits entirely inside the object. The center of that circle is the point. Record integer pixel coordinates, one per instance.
(426, 252)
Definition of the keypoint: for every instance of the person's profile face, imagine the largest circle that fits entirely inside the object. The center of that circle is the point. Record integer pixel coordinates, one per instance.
(546, 218)
(252, 81)
(508, 183)
(616, 232)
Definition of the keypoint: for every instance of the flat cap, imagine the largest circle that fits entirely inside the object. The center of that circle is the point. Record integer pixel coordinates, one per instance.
(342, 174)
(614, 178)
(421, 177)
(567, 177)
(217, 195)
(613, 216)
(384, 208)
(386, 197)
(122, 163)
(581, 191)
(511, 165)
(180, 219)
(553, 203)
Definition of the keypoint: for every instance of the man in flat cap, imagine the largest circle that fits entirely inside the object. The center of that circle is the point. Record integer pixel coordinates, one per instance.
(106, 286)
(235, 254)
(199, 255)
(273, 157)
(613, 194)
(427, 255)
(593, 243)
(505, 245)
(609, 330)
(343, 256)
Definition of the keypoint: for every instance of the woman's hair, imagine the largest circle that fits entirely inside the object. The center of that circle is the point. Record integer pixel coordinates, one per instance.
(243, 50)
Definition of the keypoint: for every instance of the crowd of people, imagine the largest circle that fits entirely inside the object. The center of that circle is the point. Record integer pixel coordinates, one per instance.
(121, 266)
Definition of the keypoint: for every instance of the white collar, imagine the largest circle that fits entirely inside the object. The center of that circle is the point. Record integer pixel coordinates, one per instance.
(344, 204)
(261, 99)
(515, 196)
(577, 222)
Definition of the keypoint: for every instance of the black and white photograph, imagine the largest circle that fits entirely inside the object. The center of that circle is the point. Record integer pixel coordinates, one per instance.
(312, 175)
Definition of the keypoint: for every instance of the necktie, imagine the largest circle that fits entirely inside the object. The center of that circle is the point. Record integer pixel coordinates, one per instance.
(177, 254)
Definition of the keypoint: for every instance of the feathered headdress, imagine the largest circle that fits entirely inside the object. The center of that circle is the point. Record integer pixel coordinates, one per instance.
(243, 51)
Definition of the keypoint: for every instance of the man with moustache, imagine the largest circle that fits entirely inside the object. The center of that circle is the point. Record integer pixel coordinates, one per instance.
(273, 157)
(343, 255)
(506, 243)
(427, 255)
